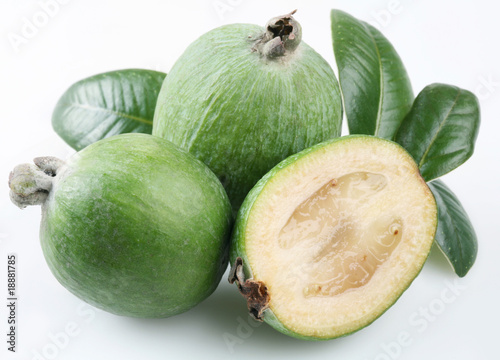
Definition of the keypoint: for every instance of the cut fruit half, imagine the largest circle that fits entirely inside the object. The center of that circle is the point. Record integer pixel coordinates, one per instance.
(331, 237)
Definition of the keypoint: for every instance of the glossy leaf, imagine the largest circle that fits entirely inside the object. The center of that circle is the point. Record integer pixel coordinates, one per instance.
(455, 235)
(107, 104)
(441, 129)
(376, 89)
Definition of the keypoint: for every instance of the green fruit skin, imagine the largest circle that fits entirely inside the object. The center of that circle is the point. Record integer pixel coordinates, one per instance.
(238, 237)
(137, 227)
(240, 113)
(107, 104)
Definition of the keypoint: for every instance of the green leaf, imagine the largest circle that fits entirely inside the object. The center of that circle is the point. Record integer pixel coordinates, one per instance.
(455, 235)
(107, 104)
(376, 89)
(441, 129)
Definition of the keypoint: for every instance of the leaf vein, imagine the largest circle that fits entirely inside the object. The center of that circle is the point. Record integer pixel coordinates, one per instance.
(114, 112)
(422, 160)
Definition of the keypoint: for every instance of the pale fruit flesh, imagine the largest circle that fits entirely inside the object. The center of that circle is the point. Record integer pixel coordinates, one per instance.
(351, 252)
(339, 234)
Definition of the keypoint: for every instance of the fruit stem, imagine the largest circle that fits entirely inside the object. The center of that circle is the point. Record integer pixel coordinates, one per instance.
(281, 37)
(30, 184)
(254, 291)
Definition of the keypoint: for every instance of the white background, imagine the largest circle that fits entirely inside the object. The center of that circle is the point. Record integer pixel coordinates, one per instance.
(454, 42)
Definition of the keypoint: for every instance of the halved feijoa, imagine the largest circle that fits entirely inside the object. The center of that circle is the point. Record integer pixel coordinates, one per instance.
(332, 236)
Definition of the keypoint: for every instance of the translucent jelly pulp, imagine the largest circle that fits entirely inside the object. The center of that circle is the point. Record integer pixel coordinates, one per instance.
(349, 244)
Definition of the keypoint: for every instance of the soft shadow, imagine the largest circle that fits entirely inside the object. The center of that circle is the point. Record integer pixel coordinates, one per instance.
(437, 261)
(226, 308)
(219, 317)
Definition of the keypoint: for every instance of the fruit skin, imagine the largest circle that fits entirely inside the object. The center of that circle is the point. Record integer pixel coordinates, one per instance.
(137, 227)
(241, 112)
(237, 248)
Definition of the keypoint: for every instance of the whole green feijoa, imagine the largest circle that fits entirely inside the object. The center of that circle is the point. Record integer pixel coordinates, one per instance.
(242, 98)
(107, 104)
(131, 224)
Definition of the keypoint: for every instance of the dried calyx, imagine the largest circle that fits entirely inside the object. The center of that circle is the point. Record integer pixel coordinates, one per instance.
(282, 36)
(254, 291)
(30, 184)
